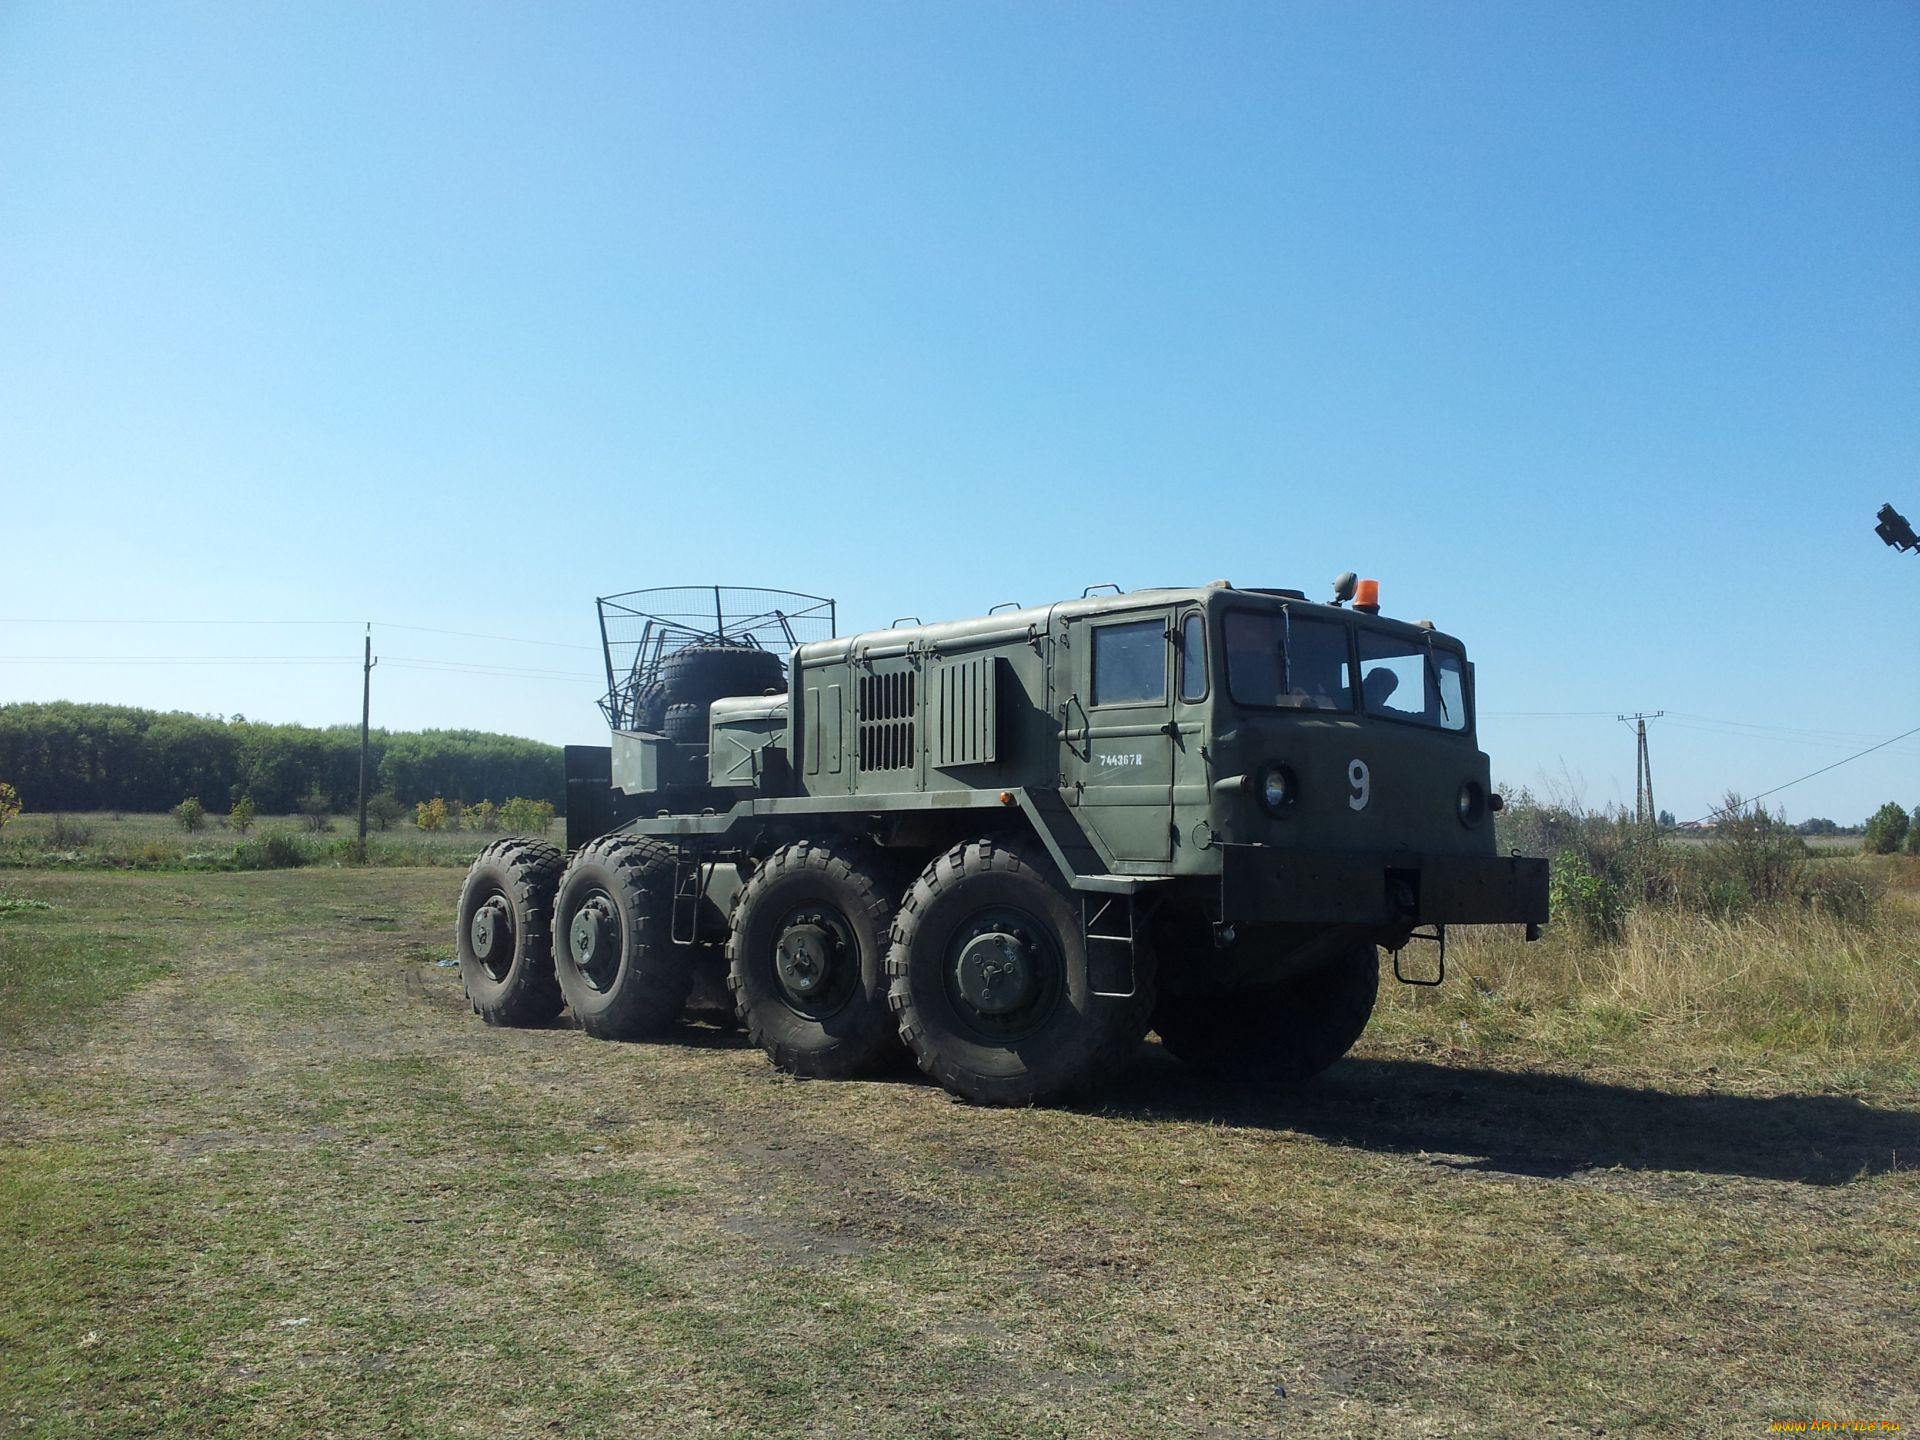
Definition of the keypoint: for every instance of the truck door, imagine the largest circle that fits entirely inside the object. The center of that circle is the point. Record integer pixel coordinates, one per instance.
(1117, 730)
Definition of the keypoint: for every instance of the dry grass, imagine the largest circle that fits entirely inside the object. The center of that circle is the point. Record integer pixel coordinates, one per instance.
(1784, 996)
(262, 1174)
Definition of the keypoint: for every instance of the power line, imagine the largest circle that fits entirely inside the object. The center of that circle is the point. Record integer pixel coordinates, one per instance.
(497, 675)
(1707, 725)
(1811, 773)
(476, 635)
(1795, 741)
(178, 660)
(404, 662)
(408, 662)
(381, 624)
(1775, 729)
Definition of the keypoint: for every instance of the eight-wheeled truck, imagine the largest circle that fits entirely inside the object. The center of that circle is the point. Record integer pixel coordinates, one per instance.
(1007, 845)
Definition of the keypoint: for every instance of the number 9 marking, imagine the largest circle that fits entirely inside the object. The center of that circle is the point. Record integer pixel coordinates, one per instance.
(1362, 782)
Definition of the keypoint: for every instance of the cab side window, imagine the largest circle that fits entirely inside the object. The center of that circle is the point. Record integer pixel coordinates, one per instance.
(1193, 658)
(1130, 663)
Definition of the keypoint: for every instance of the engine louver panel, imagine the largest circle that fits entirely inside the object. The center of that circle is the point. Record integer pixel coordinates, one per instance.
(966, 713)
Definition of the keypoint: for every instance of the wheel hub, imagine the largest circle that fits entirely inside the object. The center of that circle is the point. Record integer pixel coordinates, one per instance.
(804, 958)
(594, 935)
(995, 972)
(491, 930)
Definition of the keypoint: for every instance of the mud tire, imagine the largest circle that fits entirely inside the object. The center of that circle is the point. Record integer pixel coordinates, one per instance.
(650, 712)
(687, 724)
(841, 893)
(701, 674)
(1066, 1041)
(514, 984)
(1282, 1034)
(635, 981)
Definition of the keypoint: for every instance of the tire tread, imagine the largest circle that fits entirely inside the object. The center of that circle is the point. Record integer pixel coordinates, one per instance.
(653, 991)
(857, 867)
(1122, 1031)
(531, 993)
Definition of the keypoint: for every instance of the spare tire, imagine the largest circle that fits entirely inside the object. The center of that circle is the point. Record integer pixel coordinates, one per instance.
(650, 711)
(701, 674)
(687, 724)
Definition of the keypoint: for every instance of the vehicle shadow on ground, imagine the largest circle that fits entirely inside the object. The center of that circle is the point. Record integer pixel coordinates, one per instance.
(1543, 1125)
(694, 1032)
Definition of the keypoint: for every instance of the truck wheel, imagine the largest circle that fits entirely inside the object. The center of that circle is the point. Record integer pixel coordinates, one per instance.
(990, 984)
(1287, 1032)
(506, 906)
(808, 959)
(613, 949)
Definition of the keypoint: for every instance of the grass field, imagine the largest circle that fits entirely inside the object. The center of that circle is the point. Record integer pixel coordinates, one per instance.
(262, 1174)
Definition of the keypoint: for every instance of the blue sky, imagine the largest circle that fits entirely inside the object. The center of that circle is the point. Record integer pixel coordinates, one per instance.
(1591, 330)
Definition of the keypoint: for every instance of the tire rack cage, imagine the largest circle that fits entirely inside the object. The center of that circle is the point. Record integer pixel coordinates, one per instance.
(641, 628)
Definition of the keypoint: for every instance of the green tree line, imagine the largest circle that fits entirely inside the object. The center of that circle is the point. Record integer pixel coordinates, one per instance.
(66, 756)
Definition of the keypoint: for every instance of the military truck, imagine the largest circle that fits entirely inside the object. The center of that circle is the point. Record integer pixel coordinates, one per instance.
(1007, 846)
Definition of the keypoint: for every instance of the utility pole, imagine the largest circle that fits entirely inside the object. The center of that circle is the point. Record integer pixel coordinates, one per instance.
(1643, 811)
(366, 709)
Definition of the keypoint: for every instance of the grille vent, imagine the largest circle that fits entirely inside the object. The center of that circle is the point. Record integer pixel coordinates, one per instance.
(886, 721)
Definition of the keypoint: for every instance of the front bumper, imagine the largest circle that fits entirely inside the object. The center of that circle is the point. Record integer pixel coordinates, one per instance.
(1266, 885)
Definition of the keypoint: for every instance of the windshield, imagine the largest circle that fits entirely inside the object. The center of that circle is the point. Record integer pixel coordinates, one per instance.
(1277, 660)
(1296, 662)
(1412, 680)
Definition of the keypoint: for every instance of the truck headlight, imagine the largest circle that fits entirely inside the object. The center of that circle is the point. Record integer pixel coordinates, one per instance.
(1472, 804)
(1278, 788)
